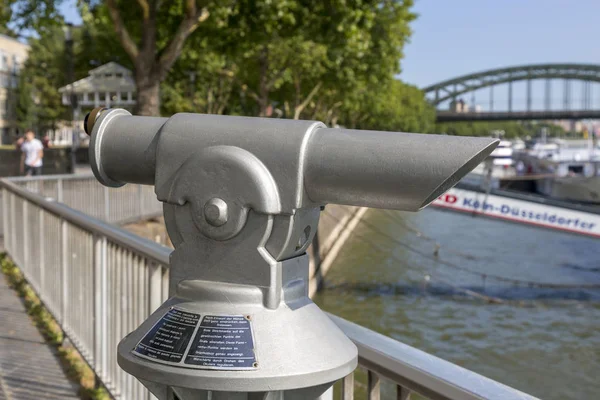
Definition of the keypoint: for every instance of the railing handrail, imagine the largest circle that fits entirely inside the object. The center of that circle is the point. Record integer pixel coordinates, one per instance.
(419, 371)
(65, 177)
(147, 248)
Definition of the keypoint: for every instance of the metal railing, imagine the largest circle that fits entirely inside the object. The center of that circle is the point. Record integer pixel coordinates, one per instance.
(100, 282)
(84, 193)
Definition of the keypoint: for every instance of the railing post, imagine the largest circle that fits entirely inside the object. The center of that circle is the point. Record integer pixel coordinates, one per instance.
(64, 260)
(402, 393)
(42, 255)
(100, 305)
(25, 245)
(328, 395)
(348, 387)
(5, 216)
(140, 201)
(374, 388)
(13, 217)
(156, 287)
(165, 285)
(106, 204)
(59, 189)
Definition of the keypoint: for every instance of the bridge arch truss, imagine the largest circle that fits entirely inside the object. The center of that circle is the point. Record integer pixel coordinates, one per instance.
(453, 88)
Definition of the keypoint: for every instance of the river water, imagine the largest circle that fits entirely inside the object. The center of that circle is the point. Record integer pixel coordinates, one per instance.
(405, 275)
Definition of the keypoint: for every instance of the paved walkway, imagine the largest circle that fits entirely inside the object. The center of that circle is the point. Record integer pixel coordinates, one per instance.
(29, 370)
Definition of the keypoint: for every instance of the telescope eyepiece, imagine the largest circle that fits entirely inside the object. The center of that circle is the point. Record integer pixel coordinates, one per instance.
(91, 118)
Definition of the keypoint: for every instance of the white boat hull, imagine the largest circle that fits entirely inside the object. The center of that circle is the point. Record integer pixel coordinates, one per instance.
(520, 211)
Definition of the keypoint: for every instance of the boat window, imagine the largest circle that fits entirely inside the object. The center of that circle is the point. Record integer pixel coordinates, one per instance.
(576, 169)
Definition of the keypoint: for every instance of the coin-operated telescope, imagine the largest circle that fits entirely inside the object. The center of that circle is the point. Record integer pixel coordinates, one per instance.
(242, 198)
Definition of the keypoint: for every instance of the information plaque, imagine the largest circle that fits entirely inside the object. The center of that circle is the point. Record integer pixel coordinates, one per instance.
(186, 339)
(223, 342)
(169, 337)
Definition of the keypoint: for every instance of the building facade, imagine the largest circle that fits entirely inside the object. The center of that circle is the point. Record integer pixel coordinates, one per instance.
(12, 56)
(109, 85)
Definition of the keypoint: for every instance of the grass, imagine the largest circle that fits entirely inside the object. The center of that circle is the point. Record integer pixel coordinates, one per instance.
(72, 362)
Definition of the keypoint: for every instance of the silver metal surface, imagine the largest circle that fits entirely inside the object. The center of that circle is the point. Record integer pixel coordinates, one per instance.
(215, 212)
(242, 198)
(128, 158)
(131, 281)
(368, 168)
(392, 170)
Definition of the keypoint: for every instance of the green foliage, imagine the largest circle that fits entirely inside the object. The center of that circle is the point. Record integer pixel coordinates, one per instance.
(552, 130)
(98, 43)
(39, 103)
(306, 59)
(333, 60)
(6, 16)
(393, 107)
(511, 129)
(41, 16)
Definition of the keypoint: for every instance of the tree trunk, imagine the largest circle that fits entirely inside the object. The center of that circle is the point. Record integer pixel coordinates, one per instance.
(148, 95)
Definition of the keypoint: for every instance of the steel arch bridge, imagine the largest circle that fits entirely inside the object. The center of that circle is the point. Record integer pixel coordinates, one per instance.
(453, 88)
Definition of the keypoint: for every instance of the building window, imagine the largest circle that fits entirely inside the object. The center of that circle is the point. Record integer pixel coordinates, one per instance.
(119, 75)
(15, 64)
(3, 105)
(114, 97)
(108, 75)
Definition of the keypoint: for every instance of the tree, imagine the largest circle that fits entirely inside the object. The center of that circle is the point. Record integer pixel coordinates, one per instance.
(6, 14)
(394, 106)
(309, 59)
(197, 85)
(152, 33)
(304, 56)
(39, 105)
(366, 57)
(511, 129)
(40, 16)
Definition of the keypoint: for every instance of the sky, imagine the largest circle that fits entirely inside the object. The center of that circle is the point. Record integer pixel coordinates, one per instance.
(69, 10)
(457, 37)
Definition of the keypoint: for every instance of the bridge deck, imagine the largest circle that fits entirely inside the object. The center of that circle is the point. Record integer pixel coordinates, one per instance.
(29, 369)
(450, 116)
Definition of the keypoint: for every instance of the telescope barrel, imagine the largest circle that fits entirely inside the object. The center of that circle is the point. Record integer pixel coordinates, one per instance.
(125, 152)
(402, 171)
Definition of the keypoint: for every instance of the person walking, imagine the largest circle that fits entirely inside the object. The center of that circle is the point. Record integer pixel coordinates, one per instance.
(32, 154)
